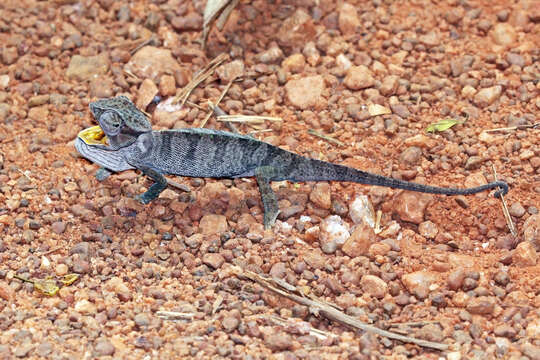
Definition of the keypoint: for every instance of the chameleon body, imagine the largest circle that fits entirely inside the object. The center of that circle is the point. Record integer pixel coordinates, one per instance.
(218, 154)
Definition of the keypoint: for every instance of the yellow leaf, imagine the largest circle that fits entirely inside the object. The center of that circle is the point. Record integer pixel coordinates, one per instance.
(442, 125)
(47, 286)
(376, 109)
(69, 279)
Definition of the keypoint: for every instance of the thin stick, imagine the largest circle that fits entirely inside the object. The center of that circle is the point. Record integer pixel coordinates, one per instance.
(506, 213)
(259, 131)
(174, 315)
(191, 103)
(178, 186)
(325, 137)
(199, 78)
(377, 228)
(253, 119)
(221, 96)
(129, 73)
(51, 251)
(317, 307)
(320, 334)
(142, 44)
(512, 128)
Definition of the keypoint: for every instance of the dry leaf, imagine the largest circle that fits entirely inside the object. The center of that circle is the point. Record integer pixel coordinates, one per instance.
(376, 109)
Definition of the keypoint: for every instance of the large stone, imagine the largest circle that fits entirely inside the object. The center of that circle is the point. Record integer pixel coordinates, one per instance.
(306, 92)
(86, 67)
(374, 286)
(213, 224)
(348, 19)
(524, 254)
(418, 282)
(504, 34)
(487, 96)
(411, 206)
(360, 240)
(152, 62)
(531, 231)
(358, 77)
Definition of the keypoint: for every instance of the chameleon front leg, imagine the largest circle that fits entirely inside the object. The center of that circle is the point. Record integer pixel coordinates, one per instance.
(160, 183)
(264, 175)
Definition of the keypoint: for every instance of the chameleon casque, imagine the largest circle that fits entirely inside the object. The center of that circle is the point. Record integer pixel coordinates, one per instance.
(197, 152)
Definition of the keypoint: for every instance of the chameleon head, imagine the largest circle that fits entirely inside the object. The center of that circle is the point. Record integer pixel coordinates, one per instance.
(119, 114)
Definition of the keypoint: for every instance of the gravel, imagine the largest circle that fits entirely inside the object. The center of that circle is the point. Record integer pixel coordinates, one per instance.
(363, 73)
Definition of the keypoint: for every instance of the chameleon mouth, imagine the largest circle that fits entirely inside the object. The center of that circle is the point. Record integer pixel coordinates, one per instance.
(93, 136)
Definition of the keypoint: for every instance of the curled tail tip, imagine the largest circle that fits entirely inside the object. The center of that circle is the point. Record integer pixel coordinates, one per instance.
(503, 188)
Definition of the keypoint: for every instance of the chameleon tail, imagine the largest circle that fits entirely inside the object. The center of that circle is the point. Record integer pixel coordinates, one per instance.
(316, 170)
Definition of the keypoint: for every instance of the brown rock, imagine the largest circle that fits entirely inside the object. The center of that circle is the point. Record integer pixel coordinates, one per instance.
(6, 292)
(213, 224)
(58, 227)
(151, 62)
(504, 34)
(389, 85)
(348, 19)
(231, 70)
(531, 231)
(418, 282)
(230, 323)
(84, 68)
(455, 279)
(411, 155)
(487, 96)
(167, 85)
(374, 286)
(306, 92)
(505, 330)
(428, 229)
(430, 39)
(101, 87)
(104, 347)
(358, 77)
(147, 91)
(320, 195)
(294, 63)
(278, 341)
(213, 260)
(360, 241)
(482, 305)
(296, 30)
(411, 206)
(525, 254)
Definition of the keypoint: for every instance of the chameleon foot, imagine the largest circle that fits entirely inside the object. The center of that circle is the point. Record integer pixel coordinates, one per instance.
(102, 174)
(268, 196)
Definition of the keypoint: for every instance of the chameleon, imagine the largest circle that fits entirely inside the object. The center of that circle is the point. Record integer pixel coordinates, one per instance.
(197, 152)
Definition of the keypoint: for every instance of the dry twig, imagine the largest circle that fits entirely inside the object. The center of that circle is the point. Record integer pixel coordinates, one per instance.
(212, 106)
(325, 137)
(320, 308)
(178, 186)
(506, 213)
(513, 128)
(174, 315)
(251, 119)
(199, 78)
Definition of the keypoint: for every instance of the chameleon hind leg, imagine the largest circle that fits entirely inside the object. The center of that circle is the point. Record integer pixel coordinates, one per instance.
(264, 175)
(160, 184)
